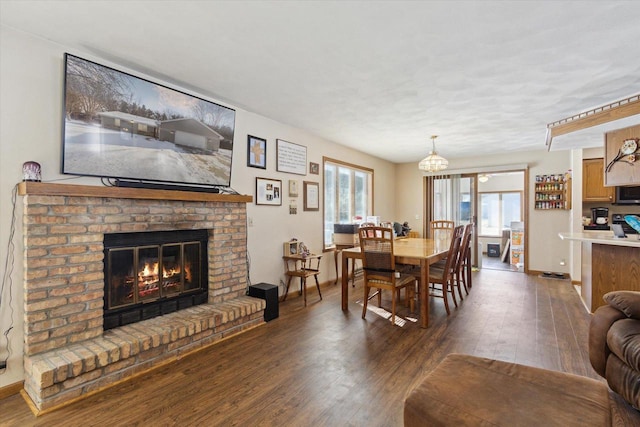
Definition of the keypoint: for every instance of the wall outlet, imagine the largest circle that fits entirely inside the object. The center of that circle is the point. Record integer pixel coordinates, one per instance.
(417, 216)
(250, 221)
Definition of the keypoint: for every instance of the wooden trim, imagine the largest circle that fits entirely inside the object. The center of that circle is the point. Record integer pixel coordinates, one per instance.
(350, 165)
(49, 189)
(11, 389)
(597, 116)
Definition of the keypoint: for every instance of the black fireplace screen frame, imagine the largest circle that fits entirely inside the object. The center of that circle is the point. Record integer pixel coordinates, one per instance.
(141, 310)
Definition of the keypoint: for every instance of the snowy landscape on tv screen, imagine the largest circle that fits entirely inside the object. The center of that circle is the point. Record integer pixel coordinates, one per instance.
(120, 126)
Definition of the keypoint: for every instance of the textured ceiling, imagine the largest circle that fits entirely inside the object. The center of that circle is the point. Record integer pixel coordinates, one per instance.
(380, 77)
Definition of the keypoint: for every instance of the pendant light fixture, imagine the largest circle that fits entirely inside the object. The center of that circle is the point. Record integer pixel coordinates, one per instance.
(433, 162)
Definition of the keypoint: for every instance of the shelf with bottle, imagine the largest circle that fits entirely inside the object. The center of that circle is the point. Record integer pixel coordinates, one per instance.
(553, 192)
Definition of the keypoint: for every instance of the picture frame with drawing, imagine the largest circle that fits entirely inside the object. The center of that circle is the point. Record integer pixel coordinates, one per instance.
(256, 152)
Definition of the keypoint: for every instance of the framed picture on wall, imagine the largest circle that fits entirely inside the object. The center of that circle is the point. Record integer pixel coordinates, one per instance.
(290, 157)
(293, 188)
(314, 168)
(311, 196)
(268, 191)
(256, 152)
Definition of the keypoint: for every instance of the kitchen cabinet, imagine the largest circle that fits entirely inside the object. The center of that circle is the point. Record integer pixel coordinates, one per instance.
(593, 189)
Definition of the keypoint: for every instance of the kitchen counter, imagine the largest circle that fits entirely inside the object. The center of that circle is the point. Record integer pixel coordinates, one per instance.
(608, 264)
(602, 238)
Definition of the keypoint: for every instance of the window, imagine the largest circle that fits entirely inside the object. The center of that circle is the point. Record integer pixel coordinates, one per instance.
(497, 211)
(348, 193)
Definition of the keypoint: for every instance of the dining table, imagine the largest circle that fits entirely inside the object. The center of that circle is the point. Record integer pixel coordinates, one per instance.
(406, 250)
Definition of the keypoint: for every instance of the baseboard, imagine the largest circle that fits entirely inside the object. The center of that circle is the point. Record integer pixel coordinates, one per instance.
(11, 389)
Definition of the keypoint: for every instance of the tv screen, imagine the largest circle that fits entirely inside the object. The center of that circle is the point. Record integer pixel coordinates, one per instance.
(120, 126)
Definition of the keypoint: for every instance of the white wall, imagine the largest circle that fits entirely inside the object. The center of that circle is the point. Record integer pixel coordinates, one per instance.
(546, 250)
(31, 75)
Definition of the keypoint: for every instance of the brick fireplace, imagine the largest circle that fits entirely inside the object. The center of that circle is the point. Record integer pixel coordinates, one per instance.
(67, 352)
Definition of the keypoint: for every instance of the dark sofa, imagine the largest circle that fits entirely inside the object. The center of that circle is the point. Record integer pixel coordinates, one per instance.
(465, 390)
(614, 344)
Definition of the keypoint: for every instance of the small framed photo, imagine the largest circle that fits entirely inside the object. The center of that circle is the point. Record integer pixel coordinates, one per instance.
(268, 191)
(293, 188)
(314, 168)
(256, 152)
(311, 196)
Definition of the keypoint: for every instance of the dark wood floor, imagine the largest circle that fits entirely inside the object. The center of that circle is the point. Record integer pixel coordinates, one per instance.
(323, 367)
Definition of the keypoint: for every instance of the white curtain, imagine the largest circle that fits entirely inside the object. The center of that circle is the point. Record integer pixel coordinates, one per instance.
(446, 196)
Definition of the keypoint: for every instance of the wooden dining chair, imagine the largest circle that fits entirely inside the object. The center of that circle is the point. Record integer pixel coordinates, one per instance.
(444, 276)
(465, 273)
(379, 266)
(441, 228)
(460, 279)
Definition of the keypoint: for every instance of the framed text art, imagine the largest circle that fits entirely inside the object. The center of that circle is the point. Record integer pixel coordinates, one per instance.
(311, 195)
(268, 191)
(292, 158)
(256, 152)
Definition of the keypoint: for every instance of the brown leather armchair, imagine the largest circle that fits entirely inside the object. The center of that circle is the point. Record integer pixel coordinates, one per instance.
(614, 344)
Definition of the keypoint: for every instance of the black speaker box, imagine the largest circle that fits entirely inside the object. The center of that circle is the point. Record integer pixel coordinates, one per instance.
(269, 293)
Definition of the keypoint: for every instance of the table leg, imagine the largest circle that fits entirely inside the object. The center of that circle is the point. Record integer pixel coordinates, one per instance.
(345, 282)
(335, 259)
(424, 293)
(303, 283)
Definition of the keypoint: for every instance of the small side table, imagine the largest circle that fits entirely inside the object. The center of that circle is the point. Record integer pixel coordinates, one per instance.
(302, 267)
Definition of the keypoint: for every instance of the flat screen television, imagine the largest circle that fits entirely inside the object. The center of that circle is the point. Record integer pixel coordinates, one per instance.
(124, 127)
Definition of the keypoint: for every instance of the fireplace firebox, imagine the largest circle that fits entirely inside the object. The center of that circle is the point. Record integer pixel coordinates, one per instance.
(153, 273)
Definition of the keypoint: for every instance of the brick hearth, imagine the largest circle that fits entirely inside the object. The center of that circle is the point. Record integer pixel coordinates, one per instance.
(67, 353)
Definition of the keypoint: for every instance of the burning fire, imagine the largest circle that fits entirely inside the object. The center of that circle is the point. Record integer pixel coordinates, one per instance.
(148, 279)
(149, 271)
(174, 271)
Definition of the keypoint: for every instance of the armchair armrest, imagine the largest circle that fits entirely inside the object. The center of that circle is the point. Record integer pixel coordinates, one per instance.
(601, 321)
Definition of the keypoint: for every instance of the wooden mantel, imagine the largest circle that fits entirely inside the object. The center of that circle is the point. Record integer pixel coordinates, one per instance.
(49, 189)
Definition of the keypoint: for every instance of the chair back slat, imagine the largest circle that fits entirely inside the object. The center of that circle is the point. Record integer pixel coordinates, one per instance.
(464, 247)
(441, 229)
(376, 244)
(454, 249)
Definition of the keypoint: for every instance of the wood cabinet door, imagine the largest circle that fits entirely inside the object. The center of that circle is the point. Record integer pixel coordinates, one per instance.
(593, 189)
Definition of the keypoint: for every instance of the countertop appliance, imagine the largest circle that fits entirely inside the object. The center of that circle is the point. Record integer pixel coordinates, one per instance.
(600, 216)
(619, 219)
(628, 195)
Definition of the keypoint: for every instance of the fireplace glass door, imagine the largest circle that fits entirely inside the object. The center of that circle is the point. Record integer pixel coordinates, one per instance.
(150, 274)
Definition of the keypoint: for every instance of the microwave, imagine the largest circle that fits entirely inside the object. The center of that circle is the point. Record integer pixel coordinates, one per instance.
(628, 195)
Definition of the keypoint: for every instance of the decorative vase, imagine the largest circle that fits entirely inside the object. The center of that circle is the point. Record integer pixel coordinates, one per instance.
(31, 171)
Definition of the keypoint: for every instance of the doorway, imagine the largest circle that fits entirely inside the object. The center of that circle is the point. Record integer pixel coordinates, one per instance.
(495, 203)
(501, 220)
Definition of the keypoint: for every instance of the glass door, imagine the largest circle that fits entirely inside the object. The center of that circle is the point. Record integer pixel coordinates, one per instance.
(453, 197)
